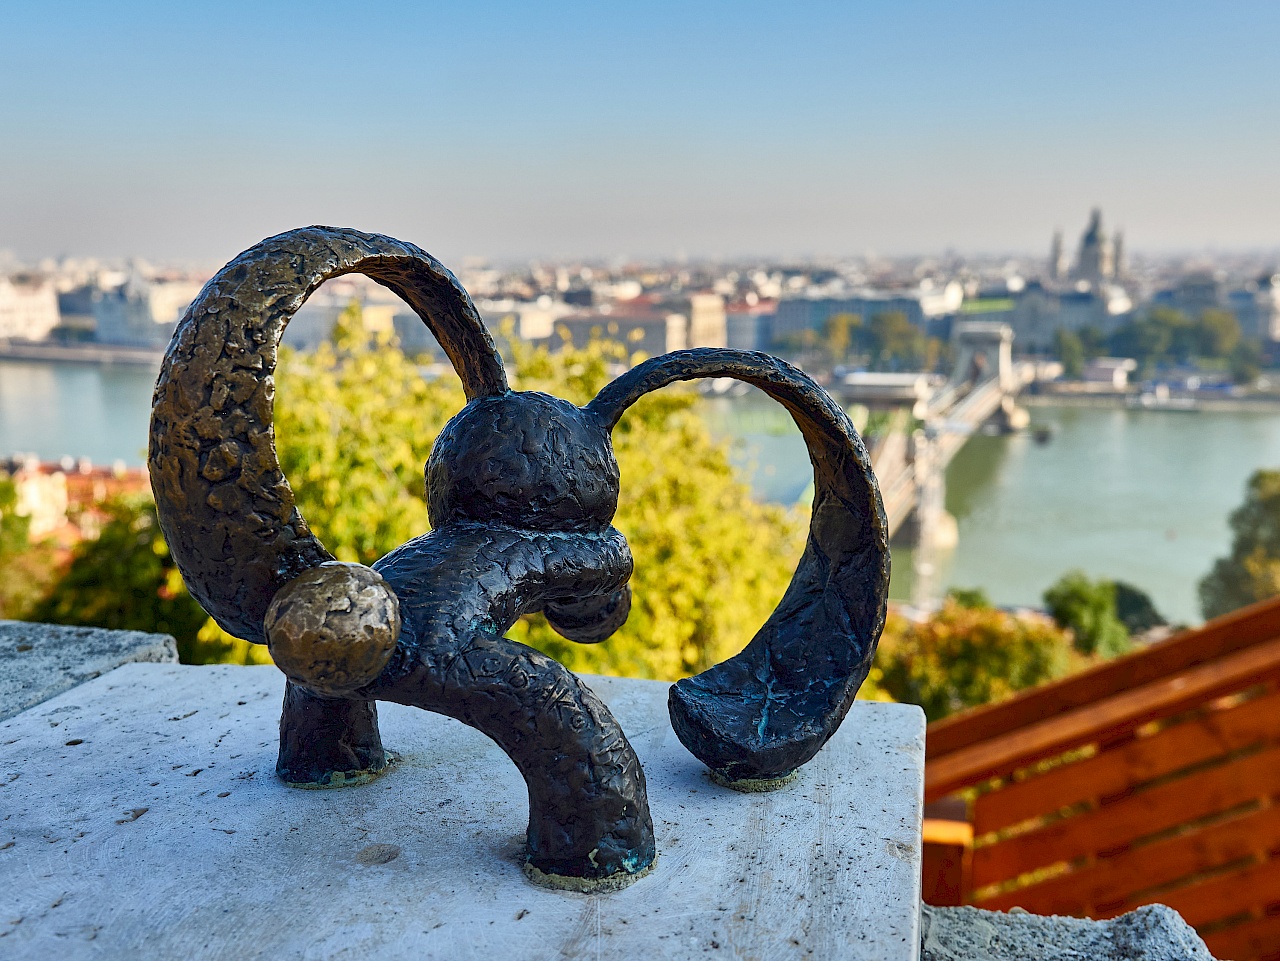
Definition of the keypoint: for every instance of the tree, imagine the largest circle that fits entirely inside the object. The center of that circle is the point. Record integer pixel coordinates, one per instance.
(1135, 609)
(1068, 349)
(1217, 333)
(974, 598)
(711, 561)
(1246, 362)
(355, 424)
(963, 657)
(1093, 340)
(895, 342)
(1088, 608)
(1251, 571)
(1161, 336)
(838, 335)
(126, 580)
(28, 568)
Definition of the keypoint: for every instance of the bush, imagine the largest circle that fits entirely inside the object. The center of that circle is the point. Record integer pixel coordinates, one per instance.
(1088, 608)
(962, 657)
(1251, 571)
(355, 423)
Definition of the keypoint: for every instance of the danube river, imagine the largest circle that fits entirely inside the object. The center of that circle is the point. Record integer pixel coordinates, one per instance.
(1137, 495)
(1141, 496)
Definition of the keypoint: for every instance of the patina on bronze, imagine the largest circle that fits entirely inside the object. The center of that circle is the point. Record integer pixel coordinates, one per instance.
(521, 492)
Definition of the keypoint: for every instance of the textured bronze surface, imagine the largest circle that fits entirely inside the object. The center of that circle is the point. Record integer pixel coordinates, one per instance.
(521, 491)
(761, 714)
(332, 629)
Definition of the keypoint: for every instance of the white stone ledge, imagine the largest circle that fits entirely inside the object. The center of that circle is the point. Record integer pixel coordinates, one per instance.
(38, 661)
(141, 819)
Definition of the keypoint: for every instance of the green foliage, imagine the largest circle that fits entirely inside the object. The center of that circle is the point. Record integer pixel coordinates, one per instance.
(126, 580)
(838, 335)
(355, 422)
(1246, 362)
(972, 598)
(355, 426)
(28, 568)
(896, 343)
(1251, 571)
(1092, 340)
(1217, 333)
(13, 526)
(1070, 351)
(711, 562)
(1160, 336)
(1136, 610)
(963, 657)
(1088, 608)
(1163, 336)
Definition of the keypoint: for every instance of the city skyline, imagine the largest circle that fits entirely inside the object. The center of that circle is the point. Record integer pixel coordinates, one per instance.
(645, 130)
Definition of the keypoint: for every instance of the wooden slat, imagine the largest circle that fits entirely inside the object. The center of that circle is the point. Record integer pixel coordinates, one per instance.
(1237, 631)
(1135, 762)
(1204, 793)
(1228, 894)
(1114, 880)
(1161, 698)
(1248, 941)
(945, 831)
(944, 876)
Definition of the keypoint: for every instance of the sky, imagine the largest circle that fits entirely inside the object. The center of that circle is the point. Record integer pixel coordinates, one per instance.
(187, 132)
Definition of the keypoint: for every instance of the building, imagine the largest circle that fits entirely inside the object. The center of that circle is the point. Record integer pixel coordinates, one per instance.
(1095, 263)
(75, 309)
(1196, 292)
(649, 334)
(923, 306)
(1036, 315)
(529, 319)
(28, 308)
(1057, 258)
(1110, 372)
(749, 326)
(1257, 307)
(142, 312)
(707, 324)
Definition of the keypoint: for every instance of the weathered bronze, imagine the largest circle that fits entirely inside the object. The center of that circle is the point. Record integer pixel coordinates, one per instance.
(521, 491)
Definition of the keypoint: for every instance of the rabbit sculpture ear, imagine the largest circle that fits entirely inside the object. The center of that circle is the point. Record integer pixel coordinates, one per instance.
(755, 718)
(224, 504)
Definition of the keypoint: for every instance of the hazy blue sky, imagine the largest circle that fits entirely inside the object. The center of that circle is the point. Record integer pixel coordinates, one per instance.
(191, 130)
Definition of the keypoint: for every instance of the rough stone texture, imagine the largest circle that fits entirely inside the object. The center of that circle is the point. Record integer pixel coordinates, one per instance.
(1151, 933)
(38, 661)
(166, 835)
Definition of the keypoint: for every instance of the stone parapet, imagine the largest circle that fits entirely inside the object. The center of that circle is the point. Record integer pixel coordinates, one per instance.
(39, 661)
(143, 819)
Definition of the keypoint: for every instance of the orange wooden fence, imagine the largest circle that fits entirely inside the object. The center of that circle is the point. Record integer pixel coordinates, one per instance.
(1153, 778)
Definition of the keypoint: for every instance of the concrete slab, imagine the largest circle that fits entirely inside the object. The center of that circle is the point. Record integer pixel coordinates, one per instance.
(140, 818)
(38, 661)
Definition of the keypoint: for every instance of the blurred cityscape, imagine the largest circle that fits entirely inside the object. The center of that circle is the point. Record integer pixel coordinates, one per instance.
(1089, 288)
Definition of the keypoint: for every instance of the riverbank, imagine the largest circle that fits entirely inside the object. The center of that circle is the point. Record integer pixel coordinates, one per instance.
(1178, 403)
(22, 350)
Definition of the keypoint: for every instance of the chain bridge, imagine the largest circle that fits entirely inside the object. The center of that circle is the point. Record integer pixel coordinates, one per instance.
(932, 423)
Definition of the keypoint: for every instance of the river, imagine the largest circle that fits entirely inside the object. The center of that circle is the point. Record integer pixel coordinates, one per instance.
(1138, 495)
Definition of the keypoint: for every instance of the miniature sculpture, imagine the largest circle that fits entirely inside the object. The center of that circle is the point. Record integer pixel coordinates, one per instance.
(521, 489)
